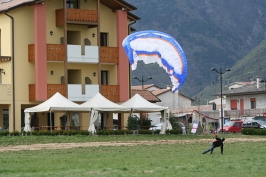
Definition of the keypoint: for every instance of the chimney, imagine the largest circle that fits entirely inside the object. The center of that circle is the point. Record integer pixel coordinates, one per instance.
(258, 82)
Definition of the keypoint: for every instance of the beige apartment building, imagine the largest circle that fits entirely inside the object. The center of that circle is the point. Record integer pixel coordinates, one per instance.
(73, 47)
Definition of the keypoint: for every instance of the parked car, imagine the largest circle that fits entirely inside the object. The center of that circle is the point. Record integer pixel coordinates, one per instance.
(232, 127)
(254, 124)
(159, 126)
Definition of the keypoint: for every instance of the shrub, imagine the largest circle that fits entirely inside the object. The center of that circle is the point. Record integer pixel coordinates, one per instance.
(173, 131)
(14, 133)
(133, 123)
(145, 132)
(4, 132)
(253, 131)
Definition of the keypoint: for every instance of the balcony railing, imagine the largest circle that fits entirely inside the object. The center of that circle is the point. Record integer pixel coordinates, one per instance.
(82, 54)
(77, 16)
(55, 52)
(244, 113)
(51, 90)
(78, 92)
(110, 92)
(109, 55)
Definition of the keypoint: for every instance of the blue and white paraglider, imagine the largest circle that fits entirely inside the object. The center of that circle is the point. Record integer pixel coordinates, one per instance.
(158, 47)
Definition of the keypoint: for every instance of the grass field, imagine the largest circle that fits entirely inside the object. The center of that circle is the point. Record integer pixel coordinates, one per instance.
(239, 159)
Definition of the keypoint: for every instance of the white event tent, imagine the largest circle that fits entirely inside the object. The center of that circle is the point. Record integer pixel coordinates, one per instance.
(97, 104)
(139, 104)
(100, 103)
(56, 103)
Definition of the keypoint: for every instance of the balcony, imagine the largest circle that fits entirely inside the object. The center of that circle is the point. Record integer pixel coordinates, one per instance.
(55, 52)
(77, 16)
(244, 113)
(111, 92)
(109, 55)
(78, 92)
(51, 90)
(82, 54)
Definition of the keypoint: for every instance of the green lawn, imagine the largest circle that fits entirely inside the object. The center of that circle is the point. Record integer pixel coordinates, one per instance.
(239, 159)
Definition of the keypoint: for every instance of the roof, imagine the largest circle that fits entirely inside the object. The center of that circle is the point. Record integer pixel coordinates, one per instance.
(239, 83)
(245, 90)
(140, 104)
(118, 4)
(132, 17)
(160, 91)
(100, 103)
(6, 5)
(189, 109)
(57, 103)
(139, 87)
(146, 94)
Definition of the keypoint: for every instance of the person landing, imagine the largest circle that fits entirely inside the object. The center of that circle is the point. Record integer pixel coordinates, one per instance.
(217, 143)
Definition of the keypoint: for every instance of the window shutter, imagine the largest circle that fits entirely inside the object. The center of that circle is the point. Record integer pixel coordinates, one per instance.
(233, 104)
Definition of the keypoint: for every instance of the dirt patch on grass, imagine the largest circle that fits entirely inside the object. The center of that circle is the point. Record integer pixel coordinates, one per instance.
(130, 143)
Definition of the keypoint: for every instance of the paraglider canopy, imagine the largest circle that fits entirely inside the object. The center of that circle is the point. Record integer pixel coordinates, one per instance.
(157, 47)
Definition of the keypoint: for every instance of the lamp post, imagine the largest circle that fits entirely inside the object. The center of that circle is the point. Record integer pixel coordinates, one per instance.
(142, 80)
(221, 83)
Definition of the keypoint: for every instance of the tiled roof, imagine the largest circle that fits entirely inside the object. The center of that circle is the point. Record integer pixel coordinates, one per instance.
(160, 91)
(139, 87)
(146, 94)
(245, 90)
(189, 109)
(6, 5)
(239, 83)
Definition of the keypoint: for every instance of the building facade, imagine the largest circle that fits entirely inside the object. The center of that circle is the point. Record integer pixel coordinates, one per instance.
(71, 47)
(247, 101)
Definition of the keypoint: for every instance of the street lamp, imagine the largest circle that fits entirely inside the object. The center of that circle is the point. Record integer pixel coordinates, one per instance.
(142, 81)
(221, 81)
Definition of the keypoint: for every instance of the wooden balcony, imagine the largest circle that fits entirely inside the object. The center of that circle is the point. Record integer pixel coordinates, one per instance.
(109, 55)
(77, 16)
(51, 90)
(110, 92)
(55, 52)
(244, 113)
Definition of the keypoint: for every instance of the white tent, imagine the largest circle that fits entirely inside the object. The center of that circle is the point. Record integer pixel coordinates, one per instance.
(56, 103)
(139, 104)
(100, 103)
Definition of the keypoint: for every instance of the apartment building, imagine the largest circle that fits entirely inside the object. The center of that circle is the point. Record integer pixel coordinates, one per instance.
(73, 47)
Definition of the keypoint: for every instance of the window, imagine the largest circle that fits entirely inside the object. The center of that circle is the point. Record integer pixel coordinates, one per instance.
(5, 119)
(72, 4)
(253, 103)
(233, 104)
(103, 39)
(104, 77)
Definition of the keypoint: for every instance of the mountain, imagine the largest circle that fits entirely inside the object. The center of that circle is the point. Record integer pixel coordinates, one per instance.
(245, 70)
(212, 33)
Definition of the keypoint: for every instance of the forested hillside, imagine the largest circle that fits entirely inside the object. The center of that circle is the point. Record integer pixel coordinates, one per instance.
(212, 33)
